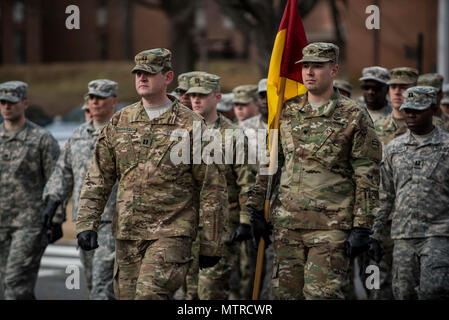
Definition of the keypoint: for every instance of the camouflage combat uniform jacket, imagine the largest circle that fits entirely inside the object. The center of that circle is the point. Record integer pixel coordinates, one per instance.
(156, 198)
(27, 159)
(328, 160)
(375, 115)
(239, 177)
(415, 182)
(254, 123)
(71, 169)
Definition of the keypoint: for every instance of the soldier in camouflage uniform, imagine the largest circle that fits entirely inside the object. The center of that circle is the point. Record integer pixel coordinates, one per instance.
(415, 182)
(344, 87)
(374, 85)
(225, 107)
(151, 148)
(387, 128)
(259, 122)
(245, 102)
(28, 154)
(183, 86)
(436, 80)
(68, 177)
(214, 283)
(328, 158)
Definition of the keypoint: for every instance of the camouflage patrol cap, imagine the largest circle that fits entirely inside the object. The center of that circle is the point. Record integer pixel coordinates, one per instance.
(431, 79)
(13, 91)
(320, 52)
(343, 85)
(262, 85)
(375, 73)
(204, 83)
(183, 79)
(419, 97)
(245, 94)
(403, 75)
(103, 88)
(445, 99)
(153, 60)
(225, 104)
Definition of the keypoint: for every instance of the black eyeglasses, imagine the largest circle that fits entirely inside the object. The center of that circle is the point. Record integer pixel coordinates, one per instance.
(374, 88)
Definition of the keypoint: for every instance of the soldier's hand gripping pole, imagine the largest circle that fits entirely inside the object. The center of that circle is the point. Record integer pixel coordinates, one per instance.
(274, 140)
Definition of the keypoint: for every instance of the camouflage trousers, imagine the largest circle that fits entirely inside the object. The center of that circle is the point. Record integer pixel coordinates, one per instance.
(421, 268)
(385, 292)
(214, 282)
(150, 269)
(191, 281)
(309, 264)
(99, 265)
(21, 250)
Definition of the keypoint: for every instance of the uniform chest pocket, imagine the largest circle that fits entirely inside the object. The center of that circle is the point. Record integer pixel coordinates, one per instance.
(125, 146)
(330, 147)
(402, 167)
(16, 153)
(158, 154)
(438, 168)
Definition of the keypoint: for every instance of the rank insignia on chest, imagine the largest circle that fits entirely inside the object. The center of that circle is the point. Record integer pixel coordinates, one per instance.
(145, 142)
(417, 164)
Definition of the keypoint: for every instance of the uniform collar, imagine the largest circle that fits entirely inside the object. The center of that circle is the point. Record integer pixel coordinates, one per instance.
(168, 117)
(19, 135)
(435, 139)
(324, 110)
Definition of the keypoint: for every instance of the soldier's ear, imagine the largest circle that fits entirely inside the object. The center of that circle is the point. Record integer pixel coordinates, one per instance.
(334, 70)
(26, 104)
(169, 76)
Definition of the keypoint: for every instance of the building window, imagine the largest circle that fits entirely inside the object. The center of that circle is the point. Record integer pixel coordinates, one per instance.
(20, 48)
(102, 13)
(18, 12)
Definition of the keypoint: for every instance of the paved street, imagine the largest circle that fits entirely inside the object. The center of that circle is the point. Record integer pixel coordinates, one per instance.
(51, 283)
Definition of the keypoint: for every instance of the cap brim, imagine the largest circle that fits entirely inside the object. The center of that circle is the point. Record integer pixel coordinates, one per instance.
(342, 89)
(152, 69)
(10, 99)
(400, 82)
(181, 88)
(224, 109)
(444, 101)
(373, 78)
(415, 107)
(241, 101)
(313, 59)
(98, 93)
(201, 90)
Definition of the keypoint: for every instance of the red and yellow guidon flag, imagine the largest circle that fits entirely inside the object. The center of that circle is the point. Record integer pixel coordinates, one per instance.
(287, 49)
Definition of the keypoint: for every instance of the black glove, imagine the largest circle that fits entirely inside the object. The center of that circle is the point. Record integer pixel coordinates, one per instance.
(54, 233)
(241, 233)
(358, 241)
(49, 212)
(260, 227)
(376, 250)
(87, 240)
(207, 261)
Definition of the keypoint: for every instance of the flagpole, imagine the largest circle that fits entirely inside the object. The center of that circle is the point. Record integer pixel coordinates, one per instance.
(274, 140)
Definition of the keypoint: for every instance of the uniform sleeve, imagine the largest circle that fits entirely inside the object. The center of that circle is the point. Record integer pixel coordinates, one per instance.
(60, 184)
(366, 155)
(213, 206)
(387, 194)
(49, 155)
(258, 192)
(245, 178)
(98, 184)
